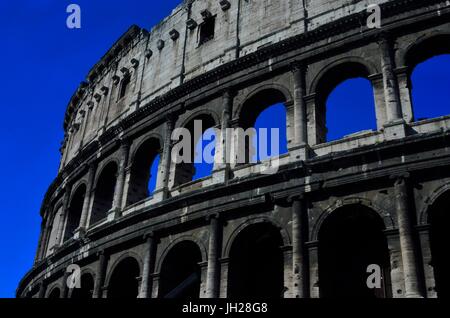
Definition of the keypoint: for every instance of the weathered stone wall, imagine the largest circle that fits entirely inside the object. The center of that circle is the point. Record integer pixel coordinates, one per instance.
(397, 171)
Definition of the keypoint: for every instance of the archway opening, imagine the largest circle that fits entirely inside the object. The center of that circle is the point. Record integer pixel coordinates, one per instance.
(144, 171)
(429, 79)
(345, 102)
(53, 239)
(86, 289)
(55, 293)
(75, 210)
(439, 219)
(350, 109)
(256, 263)
(350, 240)
(271, 137)
(263, 119)
(180, 272)
(191, 149)
(104, 193)
(205, 151)
(124, 280)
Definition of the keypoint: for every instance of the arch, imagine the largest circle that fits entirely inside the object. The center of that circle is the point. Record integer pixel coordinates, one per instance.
(425, 47)
(258, 100)
(74, 210)
(264, 98)
(150, 136)
(256, 263)
(180, 275)
(124, 255)
(429, 201)
(190, 238)
(252, 221)
(369, 69)
(382, 213)
(331, 78)
(350, 240)
(55, 292)
(185, 171)
(140, 175)
(86, 289)
(102, 166)
(104, 192)
(287, 96)
(123, 279)
(420, 58)
(201, 113)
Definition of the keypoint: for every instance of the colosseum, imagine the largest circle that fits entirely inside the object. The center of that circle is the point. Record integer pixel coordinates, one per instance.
(307, 231)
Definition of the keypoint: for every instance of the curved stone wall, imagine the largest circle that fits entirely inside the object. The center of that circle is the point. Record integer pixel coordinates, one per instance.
(97, 215)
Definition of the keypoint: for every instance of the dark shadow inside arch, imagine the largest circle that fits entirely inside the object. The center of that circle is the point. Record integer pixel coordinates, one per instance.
(104, 193)
(55, 293)
(144, 171)
(350, 240)
(256, 263)
(439, 219)
(197, 166)
(180, 272)
(264, 112)
(345, 102)
(429, 66)
(86, 289)
(74, 213)
(124, 280)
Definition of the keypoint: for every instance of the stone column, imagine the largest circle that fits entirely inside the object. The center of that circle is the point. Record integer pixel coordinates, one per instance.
(203, 274)
(100, 275)
(316, 121)
(391, 94)
(287, 272)
(65, 212)
(396, 268)
(45, 225)
(118, 192)
(223, 141)
(407, 244)
(213, 271)
(404, 87)
(224, 264)
(65, 288)
(300, 122)
(380, 101)
(313, 268)
(148, 267)
(87, 199)
(42, 289)
(155, 284)
(430, 283)
(162, 183)
(299, 253)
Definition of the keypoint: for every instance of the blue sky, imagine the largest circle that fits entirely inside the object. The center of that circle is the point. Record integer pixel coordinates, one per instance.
(43, 63)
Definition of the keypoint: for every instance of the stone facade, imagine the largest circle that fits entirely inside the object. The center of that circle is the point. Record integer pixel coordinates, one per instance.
(387, 182)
